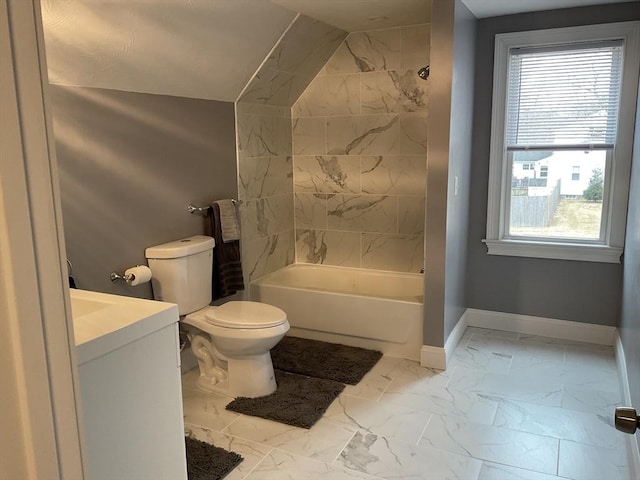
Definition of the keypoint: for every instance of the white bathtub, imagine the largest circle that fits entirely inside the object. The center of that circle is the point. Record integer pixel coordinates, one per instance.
(352, 306)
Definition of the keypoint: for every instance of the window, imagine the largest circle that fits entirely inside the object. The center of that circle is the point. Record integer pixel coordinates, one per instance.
(544, 171)
(565, 98)
(575, 173)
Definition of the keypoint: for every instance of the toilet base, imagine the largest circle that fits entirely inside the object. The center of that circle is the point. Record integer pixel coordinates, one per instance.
(233, 361)
(251, 376)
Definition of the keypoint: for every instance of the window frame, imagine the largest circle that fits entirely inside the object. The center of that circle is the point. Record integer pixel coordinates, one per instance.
(610, 247)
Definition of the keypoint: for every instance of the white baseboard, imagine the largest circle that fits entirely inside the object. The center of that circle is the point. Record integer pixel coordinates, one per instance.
(547, 327)
(632, 445)
(455, 336)
(622, 369)
(433, 357)
(437, 357)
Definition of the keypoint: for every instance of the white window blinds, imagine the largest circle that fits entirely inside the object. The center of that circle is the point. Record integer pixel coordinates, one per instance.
(564, 96)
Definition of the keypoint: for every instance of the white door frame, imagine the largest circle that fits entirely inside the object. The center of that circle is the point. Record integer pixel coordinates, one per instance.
(39, 401)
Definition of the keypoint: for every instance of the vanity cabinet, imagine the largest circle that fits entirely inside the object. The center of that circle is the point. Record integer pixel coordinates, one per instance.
(129, 372)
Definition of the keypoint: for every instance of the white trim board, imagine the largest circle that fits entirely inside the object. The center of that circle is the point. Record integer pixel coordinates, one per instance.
(546, 327)
(436, 357)
(632, 446)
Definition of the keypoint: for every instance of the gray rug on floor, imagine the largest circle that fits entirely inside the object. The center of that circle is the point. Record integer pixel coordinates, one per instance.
(340, 363)
(299, 401)
(207, 462)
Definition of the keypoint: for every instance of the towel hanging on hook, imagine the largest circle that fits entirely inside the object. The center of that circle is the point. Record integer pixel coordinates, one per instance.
(203, 211)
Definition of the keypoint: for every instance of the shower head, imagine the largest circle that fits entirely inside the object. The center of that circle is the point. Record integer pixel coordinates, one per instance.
(423, 73)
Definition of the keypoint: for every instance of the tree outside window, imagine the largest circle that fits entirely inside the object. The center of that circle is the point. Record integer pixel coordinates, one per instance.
(594, 191)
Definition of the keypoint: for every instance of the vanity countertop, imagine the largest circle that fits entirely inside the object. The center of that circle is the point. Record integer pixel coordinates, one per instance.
(103, 322)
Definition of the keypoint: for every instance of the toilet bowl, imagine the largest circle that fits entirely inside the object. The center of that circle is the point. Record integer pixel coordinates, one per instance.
(232, 341)
(232, 344)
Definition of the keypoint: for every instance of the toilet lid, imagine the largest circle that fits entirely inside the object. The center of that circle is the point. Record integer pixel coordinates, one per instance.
(246, 315)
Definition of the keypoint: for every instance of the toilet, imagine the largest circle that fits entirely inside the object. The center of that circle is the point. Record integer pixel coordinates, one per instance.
(231, 341)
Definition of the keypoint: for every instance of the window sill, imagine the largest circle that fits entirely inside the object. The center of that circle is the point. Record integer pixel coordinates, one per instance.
(557, 251)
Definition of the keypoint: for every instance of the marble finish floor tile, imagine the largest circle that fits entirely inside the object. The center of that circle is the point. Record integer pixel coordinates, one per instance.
(323, 441)
(494, 444)
(586, 376)
(488, 332)
(535, 387)
(590, 400)
(496, 471)
(205, 409)
(372, 386)
(586, 462)
(281, 465)
(527, 354)
(509, 407)
(470, 356)
(560, 423)
(384, 458)
(411, 376)
(479, 408)
(376, 381)
(388, 421)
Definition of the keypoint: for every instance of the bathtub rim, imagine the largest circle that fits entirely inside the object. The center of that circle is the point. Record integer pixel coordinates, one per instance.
(338, 267)
(261, 281)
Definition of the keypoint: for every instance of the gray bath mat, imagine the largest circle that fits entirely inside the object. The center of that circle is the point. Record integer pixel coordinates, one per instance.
(207, 462)
(299, 401)
(340, 363)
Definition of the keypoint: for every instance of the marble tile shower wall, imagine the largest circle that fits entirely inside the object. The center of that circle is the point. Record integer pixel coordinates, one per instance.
(263, 126)
(360, 154)
(265, 188)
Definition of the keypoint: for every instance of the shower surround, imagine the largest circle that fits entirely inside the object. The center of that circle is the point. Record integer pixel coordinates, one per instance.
(263, 132)
(335, 174)
(360, 154)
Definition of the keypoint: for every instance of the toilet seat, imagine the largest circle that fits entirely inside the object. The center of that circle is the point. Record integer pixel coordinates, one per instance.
(244, 314)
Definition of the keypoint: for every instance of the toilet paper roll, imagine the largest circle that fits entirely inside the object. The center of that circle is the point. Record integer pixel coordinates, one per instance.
(137, 275)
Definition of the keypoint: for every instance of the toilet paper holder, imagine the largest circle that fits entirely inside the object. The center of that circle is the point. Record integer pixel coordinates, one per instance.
(133, 276)
(127, 277)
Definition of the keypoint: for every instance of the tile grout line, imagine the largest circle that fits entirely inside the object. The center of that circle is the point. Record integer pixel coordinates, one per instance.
(424, 430)
(558, 460)
(333, 462)
(257, 463)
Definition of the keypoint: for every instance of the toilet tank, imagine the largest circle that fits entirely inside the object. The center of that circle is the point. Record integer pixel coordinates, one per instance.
(181, 272)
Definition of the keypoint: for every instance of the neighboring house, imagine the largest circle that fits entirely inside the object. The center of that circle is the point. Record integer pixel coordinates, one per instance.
(541, 175)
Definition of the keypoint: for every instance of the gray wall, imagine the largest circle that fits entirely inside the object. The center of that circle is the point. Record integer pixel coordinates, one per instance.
(440, 78)
(129, 164)
(630, 322)
(460, 154)
(449, 155)
(569, 290)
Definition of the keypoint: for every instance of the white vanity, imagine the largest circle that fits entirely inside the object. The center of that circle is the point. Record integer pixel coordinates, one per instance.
(129, 367)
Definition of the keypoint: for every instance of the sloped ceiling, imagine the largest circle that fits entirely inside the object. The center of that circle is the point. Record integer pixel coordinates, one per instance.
(209, 48)
(191, 48)
(361, 15)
